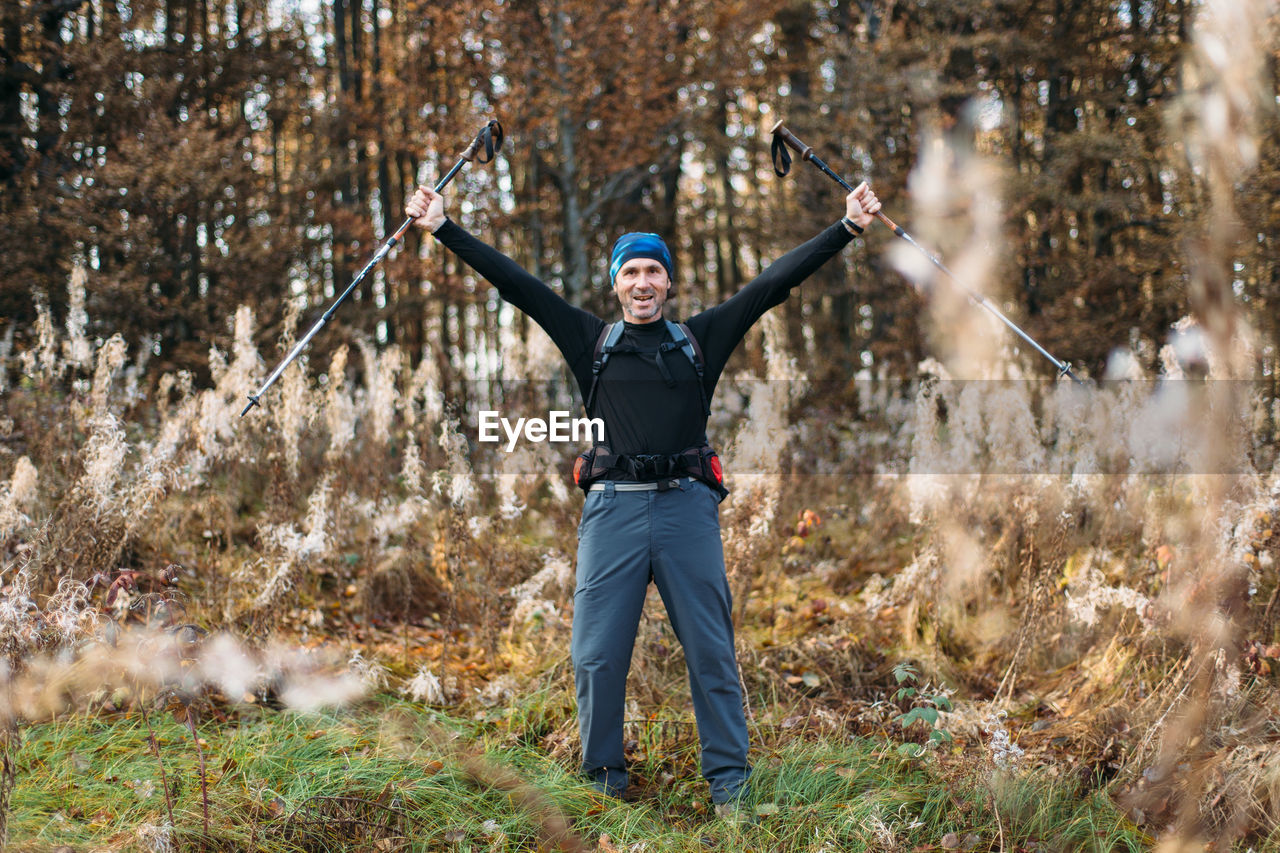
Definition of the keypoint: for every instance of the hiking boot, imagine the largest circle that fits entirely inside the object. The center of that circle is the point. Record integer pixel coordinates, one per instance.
(735, 813)
(606, 786)
(604, 792)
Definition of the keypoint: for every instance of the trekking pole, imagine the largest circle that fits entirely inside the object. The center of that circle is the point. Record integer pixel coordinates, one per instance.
(784, 138)
(490, 138)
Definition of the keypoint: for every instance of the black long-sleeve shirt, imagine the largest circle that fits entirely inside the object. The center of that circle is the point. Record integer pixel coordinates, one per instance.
(641, 412)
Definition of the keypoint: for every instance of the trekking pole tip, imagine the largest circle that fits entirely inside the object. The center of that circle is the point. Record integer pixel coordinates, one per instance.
(1065, 370)
(253, 401)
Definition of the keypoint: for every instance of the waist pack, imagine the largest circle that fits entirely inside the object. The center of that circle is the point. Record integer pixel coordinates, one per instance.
(701, 463)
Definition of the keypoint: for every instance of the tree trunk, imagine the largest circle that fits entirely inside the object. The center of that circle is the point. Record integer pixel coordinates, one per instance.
(573, 238)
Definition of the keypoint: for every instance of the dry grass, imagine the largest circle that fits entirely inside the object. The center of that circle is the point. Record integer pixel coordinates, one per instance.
(1115, 623)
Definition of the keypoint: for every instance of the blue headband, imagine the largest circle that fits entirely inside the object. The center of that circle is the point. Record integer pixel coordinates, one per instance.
(638, 244)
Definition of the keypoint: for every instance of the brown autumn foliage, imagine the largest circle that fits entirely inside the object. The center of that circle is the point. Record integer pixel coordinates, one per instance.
(201, 156)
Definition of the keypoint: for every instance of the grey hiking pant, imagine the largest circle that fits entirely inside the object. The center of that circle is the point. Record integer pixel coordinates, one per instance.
(626, 539)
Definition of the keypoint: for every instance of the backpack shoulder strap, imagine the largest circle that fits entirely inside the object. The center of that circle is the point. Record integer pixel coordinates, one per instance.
(609, 337)
(682, 337)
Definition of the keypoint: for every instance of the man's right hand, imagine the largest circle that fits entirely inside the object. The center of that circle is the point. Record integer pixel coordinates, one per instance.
(861, 205)
(426, 206)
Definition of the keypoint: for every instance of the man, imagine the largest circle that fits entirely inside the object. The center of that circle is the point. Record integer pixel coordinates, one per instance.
(652, 504)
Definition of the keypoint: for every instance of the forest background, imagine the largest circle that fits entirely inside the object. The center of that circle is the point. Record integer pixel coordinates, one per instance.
(200, 156)
(186, 184)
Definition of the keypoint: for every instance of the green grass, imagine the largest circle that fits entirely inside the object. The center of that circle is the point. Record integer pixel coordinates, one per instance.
(485, 784)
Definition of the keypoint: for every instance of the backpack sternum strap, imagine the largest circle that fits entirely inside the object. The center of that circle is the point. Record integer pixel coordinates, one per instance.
(681, 339)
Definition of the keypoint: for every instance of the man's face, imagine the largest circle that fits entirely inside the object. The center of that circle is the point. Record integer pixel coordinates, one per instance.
(642, 286)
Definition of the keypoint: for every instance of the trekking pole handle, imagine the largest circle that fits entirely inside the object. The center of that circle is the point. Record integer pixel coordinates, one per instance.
(490, 138)
(792, 141)
(782, 133)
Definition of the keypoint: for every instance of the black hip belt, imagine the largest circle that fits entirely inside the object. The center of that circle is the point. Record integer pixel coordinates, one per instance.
(701, 463)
